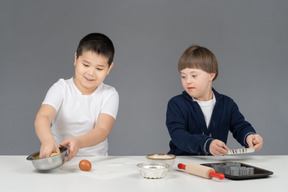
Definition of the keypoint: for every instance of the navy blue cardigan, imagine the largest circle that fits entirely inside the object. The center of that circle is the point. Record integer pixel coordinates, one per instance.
(188, 130)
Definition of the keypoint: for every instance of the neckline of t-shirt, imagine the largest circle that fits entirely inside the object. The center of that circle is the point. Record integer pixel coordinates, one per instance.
(206, 103)
(80, 93)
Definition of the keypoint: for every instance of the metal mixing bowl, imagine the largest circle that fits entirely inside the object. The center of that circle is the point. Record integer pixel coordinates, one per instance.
(49, 163)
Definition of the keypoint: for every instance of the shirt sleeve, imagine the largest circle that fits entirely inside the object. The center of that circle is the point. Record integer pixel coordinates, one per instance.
(177, 127)
(111, 103)
(240, 128)
(55, 94)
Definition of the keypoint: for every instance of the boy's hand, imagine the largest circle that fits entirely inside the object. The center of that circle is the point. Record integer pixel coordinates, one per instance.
(255, 141)
(218, 148)
(47, 148)
(73, 145)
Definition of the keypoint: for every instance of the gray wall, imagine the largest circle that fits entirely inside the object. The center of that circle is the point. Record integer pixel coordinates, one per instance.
(249, 39)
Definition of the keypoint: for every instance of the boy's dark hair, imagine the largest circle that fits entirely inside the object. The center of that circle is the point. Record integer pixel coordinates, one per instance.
(98, 43)
(199, 58)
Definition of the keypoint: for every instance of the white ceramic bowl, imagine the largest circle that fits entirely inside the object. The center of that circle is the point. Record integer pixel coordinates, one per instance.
(153, 170)
(162, 158)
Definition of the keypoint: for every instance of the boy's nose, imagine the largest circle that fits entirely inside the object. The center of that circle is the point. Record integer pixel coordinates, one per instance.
(189, 80)
(91, 72)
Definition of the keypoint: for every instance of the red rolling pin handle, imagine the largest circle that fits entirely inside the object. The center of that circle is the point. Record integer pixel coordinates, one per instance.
(211, 173)
(217, 175)
(181, 166)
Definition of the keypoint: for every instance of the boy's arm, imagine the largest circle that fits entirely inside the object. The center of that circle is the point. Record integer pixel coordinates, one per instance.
(184, 140)
(240, 128)
(99, 133)
(42, 124)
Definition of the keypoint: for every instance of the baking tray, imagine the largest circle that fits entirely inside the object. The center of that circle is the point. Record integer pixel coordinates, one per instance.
(258, 172)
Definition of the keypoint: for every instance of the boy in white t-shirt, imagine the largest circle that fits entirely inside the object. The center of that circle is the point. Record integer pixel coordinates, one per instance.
(82, 110)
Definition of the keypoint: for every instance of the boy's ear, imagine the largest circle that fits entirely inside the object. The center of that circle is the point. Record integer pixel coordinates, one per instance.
(212, 76)
(112, 64)
(75, 58)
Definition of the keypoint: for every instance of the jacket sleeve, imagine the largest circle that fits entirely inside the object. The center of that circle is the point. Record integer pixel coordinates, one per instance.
(178, 130)
(240, 128)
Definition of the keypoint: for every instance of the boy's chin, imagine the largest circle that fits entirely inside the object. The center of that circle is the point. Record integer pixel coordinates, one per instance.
(190, 93)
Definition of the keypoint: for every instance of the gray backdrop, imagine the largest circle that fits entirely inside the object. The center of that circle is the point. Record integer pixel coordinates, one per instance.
(249, 38)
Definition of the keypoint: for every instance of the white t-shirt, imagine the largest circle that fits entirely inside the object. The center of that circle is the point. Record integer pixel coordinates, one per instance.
(76, 114)
(207, 108)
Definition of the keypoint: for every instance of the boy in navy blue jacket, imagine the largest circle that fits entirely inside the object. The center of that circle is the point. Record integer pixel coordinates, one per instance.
(199, 119)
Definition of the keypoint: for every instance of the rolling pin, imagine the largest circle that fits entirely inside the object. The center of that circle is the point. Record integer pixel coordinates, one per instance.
(201, 170)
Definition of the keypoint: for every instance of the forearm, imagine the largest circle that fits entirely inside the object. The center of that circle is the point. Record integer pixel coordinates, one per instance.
(242, 131)
(239, 127)
(92, 138)
(43, 129)
(99, 133)
(192, 143)
(42, 123)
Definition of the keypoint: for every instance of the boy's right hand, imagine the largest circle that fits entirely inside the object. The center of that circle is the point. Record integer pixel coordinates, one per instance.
(47, 148)
(218, 148)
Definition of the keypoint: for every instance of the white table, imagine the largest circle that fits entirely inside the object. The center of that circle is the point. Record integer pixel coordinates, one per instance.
(120, 173)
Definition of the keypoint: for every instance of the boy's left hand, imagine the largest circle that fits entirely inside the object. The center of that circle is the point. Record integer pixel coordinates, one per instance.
(255, 141)
(73, 145)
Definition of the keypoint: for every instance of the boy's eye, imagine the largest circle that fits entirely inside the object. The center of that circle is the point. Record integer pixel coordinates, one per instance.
(85, 65)
(100, 69)
(183, 77)
(194, 76)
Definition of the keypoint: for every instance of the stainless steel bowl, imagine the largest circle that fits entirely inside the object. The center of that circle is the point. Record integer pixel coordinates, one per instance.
(49, 163)
(153, 170)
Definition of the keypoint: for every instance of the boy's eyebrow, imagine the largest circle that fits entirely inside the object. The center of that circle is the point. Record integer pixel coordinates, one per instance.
(86, 61)
(98, 65)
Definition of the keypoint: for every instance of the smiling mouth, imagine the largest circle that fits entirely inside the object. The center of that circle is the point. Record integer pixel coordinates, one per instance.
(89, 79)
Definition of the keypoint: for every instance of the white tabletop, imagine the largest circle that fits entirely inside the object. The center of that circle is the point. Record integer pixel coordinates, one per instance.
(120, 173)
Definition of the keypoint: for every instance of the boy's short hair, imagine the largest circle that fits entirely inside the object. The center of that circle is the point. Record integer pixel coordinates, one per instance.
(98, 43)
(199, 58)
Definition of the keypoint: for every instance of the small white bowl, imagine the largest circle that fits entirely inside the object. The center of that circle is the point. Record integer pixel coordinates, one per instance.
(162, 158)
(153, 170)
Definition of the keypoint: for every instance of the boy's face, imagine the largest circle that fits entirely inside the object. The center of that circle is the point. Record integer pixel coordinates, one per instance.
(90, 71)
(197, 83)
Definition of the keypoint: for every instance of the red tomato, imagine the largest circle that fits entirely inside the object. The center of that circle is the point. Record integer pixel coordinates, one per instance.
(85, 165)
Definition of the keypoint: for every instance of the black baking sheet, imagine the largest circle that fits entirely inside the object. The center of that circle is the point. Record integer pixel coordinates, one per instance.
(258, 172)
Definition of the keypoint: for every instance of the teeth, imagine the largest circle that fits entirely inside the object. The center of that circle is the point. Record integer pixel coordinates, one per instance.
(88, 79)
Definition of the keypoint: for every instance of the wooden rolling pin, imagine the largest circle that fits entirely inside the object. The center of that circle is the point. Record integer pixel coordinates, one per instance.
(201, 170)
